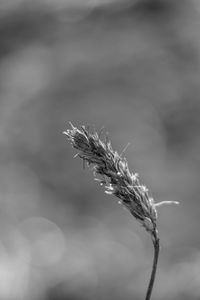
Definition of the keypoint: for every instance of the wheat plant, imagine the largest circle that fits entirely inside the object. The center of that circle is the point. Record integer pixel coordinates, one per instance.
(112, 171)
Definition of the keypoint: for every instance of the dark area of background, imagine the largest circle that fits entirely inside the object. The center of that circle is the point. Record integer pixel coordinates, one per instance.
(132, 67)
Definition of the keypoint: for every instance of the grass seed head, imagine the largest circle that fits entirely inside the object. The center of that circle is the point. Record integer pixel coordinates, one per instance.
(112, 171)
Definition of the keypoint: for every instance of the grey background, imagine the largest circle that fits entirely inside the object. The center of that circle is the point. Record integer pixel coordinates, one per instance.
(132, 67)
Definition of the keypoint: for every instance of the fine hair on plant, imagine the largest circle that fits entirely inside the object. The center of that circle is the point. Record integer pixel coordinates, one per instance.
(112, 171)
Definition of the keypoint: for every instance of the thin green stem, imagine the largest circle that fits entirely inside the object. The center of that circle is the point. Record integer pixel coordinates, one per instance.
(154, 267)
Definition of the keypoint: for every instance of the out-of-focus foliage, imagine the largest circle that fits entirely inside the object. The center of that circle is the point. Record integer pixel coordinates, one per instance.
(132, 67)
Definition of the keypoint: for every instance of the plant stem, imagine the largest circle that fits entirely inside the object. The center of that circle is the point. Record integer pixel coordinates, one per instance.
(154, 267)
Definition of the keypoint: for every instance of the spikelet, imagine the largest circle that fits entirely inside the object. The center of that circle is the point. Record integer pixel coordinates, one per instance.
(111, 170)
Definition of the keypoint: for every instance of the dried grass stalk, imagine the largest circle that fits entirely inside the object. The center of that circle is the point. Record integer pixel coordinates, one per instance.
(111, 170)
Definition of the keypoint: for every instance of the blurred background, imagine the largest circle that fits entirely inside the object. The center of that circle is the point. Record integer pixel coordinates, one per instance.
(134, 68)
